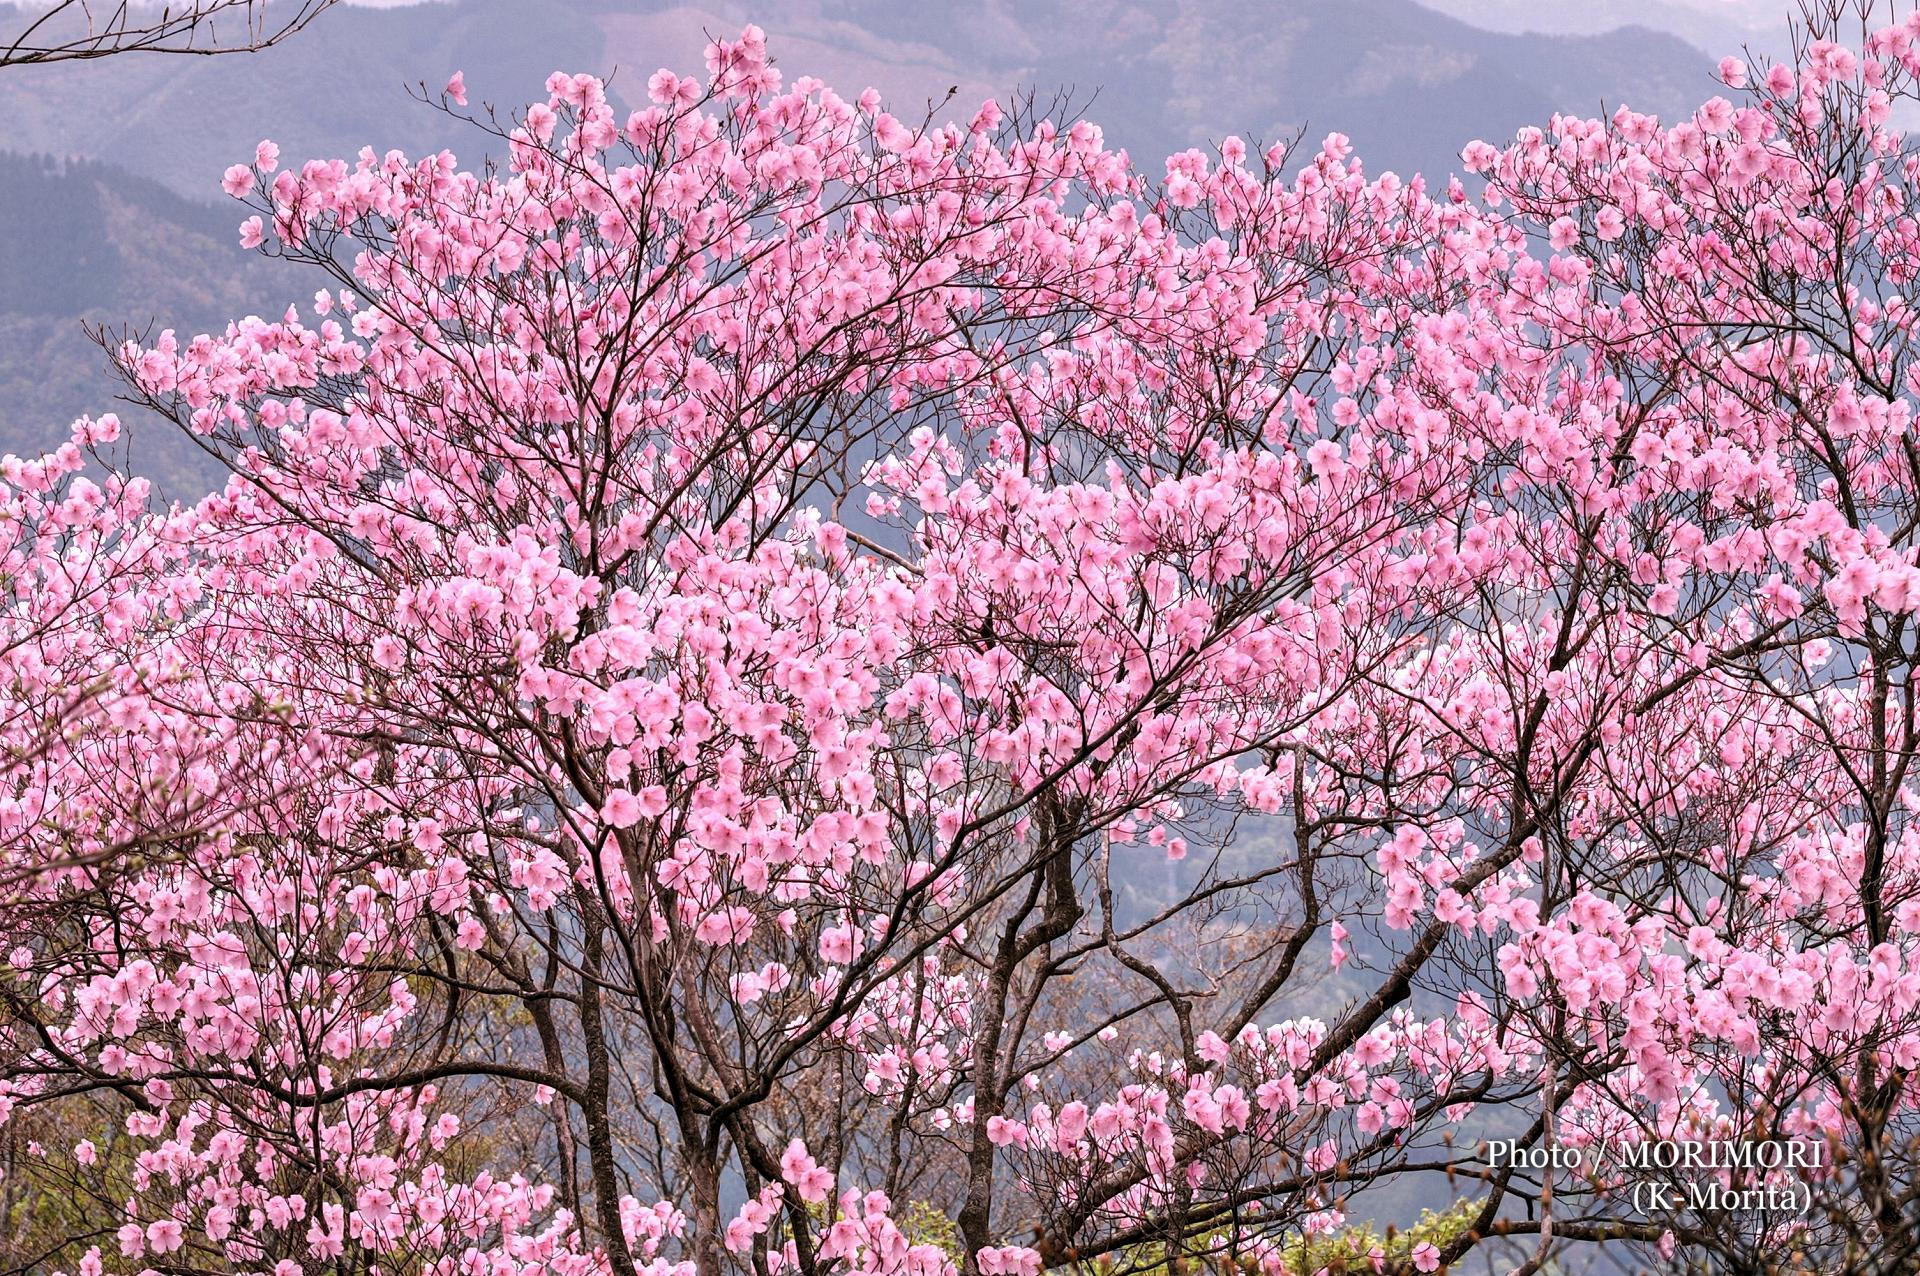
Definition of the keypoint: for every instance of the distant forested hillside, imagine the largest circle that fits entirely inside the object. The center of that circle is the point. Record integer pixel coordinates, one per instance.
(86, 242)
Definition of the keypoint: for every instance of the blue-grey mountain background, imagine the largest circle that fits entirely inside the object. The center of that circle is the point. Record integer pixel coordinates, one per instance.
(110, 209)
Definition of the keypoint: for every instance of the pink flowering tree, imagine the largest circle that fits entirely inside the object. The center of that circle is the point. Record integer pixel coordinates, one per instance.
(1720, 307)
(834, 693)
(128, 754)
(117, 748)
(829, 549)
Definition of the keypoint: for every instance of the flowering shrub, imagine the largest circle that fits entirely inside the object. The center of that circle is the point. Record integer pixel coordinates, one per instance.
(666, 749)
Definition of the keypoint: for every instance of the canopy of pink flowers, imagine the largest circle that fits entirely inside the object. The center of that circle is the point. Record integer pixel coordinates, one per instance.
(707, 615)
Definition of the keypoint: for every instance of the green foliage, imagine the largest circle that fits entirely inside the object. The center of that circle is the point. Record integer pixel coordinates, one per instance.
(925, 1224)
(1347, 1252)
(50, 1208)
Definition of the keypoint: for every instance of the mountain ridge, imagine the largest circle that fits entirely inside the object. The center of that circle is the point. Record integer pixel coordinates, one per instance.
(1409, 86)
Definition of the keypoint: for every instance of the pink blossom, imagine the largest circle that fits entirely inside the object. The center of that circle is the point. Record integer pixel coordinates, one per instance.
(621, 809)
(812, 1181)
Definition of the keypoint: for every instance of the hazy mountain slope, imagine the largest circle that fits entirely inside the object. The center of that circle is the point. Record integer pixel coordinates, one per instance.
(1716, 27)
(342, 84)
(105, 241)
(1409, 85)
(86, 242)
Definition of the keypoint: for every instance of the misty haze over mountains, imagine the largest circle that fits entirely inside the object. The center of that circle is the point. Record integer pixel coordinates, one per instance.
(128, 225)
